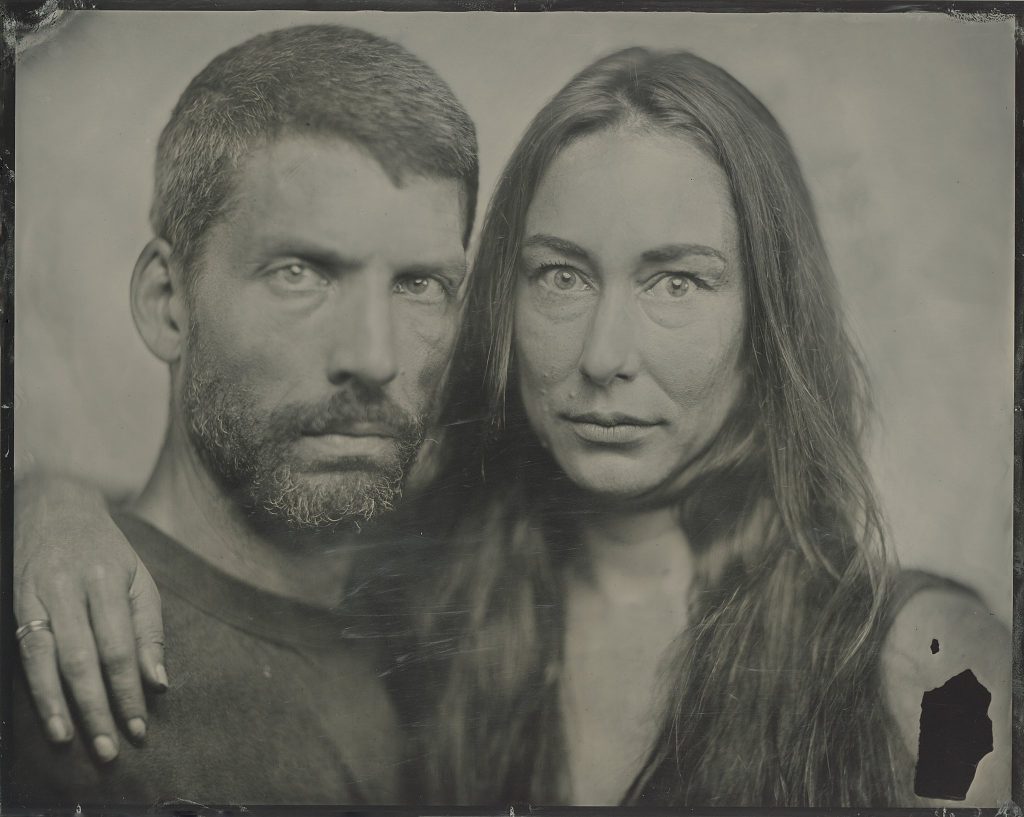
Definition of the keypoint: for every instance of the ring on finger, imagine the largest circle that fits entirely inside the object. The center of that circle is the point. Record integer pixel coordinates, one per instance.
(31, 627)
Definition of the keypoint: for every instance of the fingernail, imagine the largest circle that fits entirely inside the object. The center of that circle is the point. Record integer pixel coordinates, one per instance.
(105, 748)
(57, 729)
(161, 675)
(137, 728)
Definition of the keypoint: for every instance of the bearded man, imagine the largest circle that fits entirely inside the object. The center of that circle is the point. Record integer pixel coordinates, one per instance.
(315, 189)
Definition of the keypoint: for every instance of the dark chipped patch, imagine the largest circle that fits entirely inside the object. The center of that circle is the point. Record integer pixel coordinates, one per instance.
(956, 733)
(935, 645)
(29, 23)
(976, 16)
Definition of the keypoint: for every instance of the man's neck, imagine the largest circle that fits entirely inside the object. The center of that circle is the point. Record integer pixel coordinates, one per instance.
(185, 502)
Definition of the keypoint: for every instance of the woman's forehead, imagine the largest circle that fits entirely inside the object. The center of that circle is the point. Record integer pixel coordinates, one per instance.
(628, 190)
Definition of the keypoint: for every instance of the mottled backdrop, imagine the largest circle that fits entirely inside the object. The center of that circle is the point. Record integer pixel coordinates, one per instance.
(904, 125)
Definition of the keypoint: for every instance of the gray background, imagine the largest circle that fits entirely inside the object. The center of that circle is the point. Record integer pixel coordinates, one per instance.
(903, 123)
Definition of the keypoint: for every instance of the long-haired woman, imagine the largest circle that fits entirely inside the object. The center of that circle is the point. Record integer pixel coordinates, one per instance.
(673, 588)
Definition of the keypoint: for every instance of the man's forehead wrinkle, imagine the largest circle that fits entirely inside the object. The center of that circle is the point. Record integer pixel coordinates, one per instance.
(302, 144)
(297, 193)
(280, 161)
(294, 165)
(291, 136)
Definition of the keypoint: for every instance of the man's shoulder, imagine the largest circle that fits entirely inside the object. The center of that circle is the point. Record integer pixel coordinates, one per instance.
(277, 738)
(45, 775)
(251, 716)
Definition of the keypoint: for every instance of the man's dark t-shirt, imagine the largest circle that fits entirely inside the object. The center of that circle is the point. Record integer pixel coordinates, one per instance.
(271, 701)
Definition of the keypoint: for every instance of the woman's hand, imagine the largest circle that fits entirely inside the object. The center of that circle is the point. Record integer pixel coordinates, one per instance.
(74, 569)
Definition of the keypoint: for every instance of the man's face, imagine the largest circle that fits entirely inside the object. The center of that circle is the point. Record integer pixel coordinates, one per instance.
(322, 317)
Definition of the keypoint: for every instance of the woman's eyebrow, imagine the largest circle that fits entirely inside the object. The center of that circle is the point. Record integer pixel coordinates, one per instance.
(675, 252)
(559, 245)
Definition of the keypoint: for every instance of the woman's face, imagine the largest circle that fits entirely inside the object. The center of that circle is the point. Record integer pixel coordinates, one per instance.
(629, 309)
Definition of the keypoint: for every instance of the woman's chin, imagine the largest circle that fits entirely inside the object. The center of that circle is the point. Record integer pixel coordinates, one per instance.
(614, 485)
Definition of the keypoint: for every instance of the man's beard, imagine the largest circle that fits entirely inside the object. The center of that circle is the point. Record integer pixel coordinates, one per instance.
(252, 456)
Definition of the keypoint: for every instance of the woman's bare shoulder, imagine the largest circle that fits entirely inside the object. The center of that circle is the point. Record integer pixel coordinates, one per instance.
(946, 667)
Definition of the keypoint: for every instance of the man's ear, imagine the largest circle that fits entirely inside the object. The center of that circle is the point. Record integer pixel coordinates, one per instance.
(158, 301)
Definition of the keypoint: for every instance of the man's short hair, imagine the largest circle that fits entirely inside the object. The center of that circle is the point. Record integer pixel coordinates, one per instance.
(322, 80)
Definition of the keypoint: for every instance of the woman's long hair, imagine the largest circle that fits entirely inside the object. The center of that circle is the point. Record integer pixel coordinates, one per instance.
(773, 696)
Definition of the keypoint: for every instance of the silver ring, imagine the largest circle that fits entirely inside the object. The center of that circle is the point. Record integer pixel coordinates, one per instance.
(31, 627)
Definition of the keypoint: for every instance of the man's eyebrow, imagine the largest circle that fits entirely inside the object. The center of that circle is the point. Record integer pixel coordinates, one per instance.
(309, 251)
(676, 252)
(334, 261)
(559, 245)
(455, 270)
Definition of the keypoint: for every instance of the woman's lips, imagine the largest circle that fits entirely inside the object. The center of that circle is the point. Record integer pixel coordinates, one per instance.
(610, 428)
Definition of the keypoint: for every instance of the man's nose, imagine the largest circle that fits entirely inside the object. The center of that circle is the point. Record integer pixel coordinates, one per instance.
(363, 334)
(610, 351)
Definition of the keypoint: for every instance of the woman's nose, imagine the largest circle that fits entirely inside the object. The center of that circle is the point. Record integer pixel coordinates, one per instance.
(610, 350)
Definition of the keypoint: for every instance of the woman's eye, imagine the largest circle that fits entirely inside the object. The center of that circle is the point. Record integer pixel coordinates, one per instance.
(564, 279)
(421, 288)
(298, 277)
(671, 286)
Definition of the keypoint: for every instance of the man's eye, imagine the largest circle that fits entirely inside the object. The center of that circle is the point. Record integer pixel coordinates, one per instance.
(563, 279)
(421, 288)
(297, 277)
